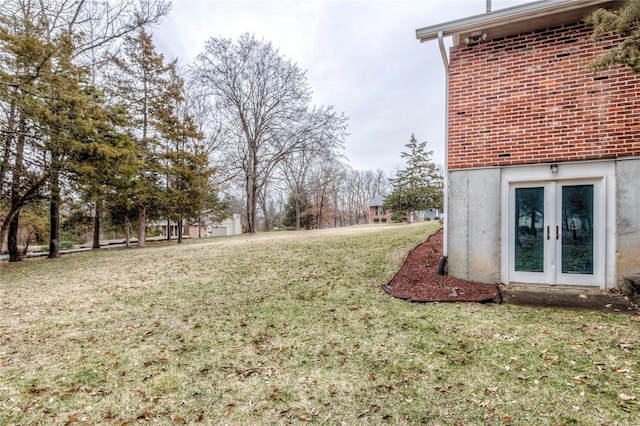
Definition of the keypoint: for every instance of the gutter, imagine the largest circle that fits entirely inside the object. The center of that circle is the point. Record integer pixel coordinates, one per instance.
(529, 12)
(442, 267)
(445, 222)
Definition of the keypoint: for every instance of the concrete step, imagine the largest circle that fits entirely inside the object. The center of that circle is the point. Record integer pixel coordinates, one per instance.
(574, 299)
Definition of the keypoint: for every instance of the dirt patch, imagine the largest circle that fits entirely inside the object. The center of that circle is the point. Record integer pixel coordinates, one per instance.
(418, 279)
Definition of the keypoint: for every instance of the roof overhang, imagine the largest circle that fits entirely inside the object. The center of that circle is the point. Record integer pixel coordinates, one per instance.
(516, 20)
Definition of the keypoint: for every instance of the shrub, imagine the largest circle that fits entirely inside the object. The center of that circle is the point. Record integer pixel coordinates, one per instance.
(398, 216)
(155, 232)
(66, 244)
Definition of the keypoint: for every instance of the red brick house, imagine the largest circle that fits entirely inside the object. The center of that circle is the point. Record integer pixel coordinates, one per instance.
(543, 155)
(377, 212)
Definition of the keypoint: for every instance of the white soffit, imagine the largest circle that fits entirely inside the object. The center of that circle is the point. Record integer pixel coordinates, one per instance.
(518, 19)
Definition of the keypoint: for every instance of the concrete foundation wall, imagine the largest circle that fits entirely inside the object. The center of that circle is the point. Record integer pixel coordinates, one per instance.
(474, 225)
(628, 218)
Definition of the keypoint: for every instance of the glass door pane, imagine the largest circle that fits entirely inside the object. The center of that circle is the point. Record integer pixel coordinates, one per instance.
(529, 229)
(577, 229)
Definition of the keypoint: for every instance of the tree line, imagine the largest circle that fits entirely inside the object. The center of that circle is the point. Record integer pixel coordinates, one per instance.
(96, 126)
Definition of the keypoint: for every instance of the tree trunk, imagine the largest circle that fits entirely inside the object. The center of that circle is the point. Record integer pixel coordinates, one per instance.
(8, 141)
(14, 253)
(54, 211)
(168, 229)
(180, 221)
(25, 249)
(142, 219)
(18, 171)
(267, 219)
(319, 211)
(297, 204)
(251, 205)
(127, 231)
(97, 225)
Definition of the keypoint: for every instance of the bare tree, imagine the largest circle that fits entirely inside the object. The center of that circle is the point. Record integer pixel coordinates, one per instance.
(324, 177)
(309, 171)
(362, 187)
(264, 99)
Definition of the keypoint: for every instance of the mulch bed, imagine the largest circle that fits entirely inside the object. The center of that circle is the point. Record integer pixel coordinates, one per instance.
(418, 279)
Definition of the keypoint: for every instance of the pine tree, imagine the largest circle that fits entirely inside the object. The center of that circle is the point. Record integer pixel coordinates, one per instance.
(625, 22)
(419, 185)
(26, 55)
(140, 84)
(185, 164)
(103, 166)
(298, 212)
(44, 91)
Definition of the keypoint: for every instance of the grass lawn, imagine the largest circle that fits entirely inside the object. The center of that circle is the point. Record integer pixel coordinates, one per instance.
(293, 328)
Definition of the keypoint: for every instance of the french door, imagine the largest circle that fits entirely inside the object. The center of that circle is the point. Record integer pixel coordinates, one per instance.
(556, 232)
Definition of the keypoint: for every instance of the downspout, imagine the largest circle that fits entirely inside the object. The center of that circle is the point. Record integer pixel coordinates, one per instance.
(445, 223)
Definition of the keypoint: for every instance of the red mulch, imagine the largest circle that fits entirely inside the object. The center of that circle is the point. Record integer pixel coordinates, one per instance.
(418, 279)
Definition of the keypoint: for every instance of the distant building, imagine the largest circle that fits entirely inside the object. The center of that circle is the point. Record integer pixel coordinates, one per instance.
(377, 212)
(429, 214)
(227, 227)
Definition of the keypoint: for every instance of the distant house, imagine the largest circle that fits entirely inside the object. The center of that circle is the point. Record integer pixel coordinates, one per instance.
(543, 155)
(377, 212)
(230, 226)
(428, 214)
(227, 227)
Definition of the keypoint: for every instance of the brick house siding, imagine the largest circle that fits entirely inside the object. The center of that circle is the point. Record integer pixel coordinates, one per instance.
(531, 98)
(375, 217)
(526, 115)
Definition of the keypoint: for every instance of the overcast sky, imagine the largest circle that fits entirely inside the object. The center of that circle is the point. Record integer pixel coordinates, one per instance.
(362, 57)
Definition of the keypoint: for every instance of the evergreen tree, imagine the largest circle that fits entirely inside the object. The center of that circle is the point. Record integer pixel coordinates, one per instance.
(26, 54)
(141, 84)
(103, 167)
(298, 212)
(70, 115)
(419, 185)
(185, 163)
(51, 115)
(625, 22)
(48, 104)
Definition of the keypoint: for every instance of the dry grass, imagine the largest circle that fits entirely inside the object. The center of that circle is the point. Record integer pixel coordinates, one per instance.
(292, 328)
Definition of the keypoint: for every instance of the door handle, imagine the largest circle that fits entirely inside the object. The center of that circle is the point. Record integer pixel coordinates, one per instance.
(557, 232)
(548, 233)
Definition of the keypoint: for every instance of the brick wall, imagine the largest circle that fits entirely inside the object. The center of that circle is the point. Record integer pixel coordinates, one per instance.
(373, 215)
(531, 98)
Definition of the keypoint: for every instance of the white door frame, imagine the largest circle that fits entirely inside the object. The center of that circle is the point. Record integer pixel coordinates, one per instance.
(602, 173)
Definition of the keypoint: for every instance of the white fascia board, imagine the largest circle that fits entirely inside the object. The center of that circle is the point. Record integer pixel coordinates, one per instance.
(511, 15)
